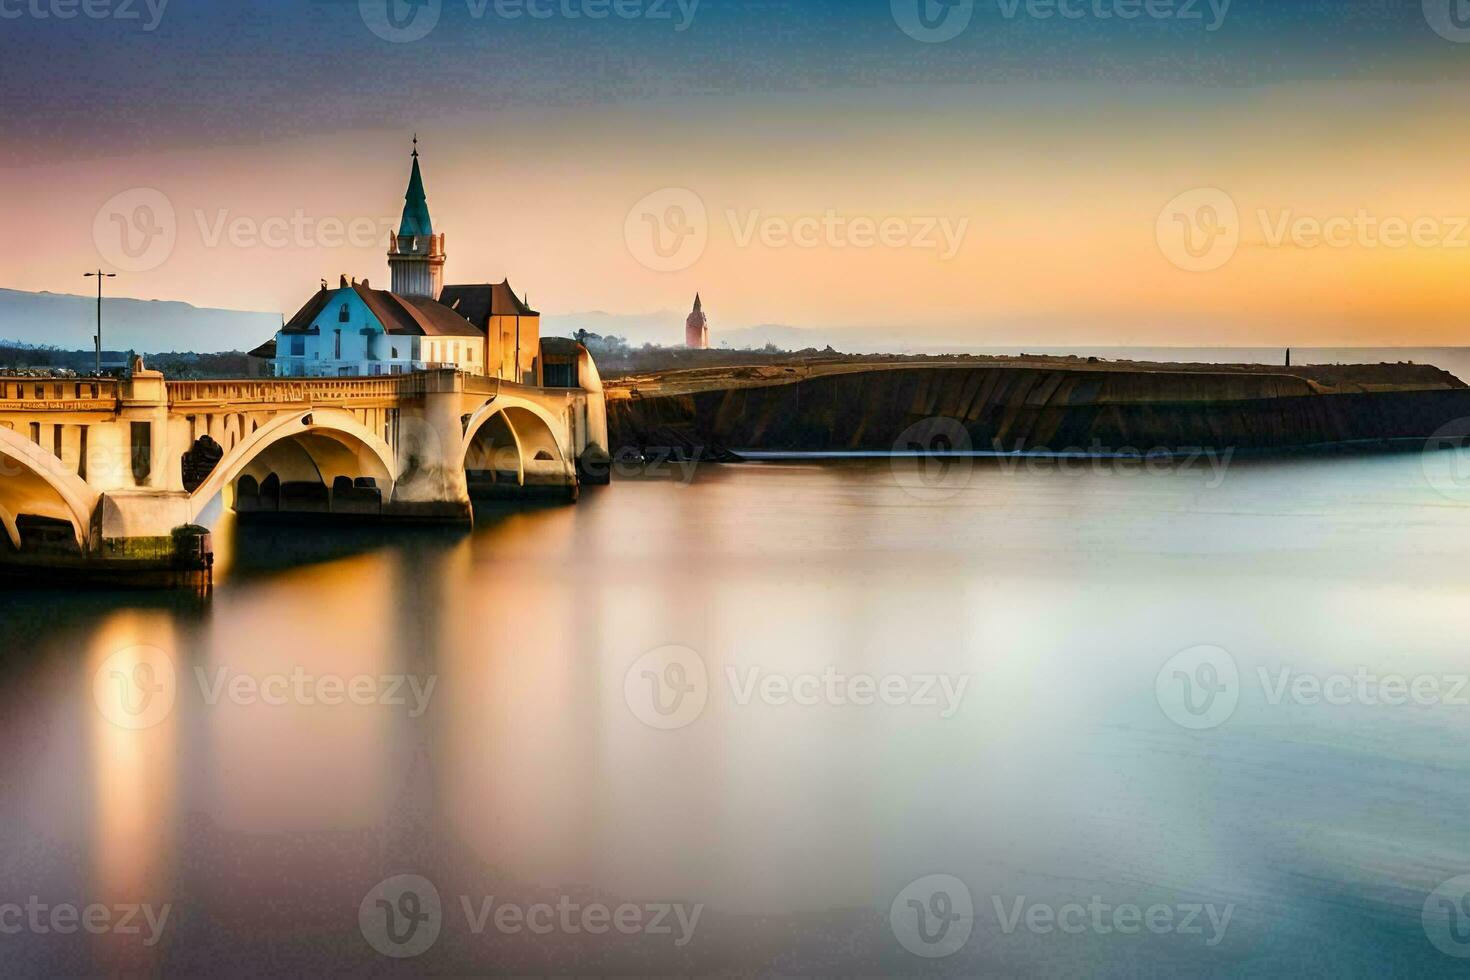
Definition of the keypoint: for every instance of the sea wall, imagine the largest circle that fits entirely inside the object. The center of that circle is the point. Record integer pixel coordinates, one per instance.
(1030, 408)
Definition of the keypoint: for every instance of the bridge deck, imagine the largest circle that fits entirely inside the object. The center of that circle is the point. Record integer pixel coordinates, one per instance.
(19, 394)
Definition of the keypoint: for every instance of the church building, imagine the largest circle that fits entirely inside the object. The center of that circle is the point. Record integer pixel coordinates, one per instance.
(418, 323)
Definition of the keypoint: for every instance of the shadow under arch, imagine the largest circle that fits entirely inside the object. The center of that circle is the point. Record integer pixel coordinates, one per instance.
(511, 444)
(34, 482)
(325, 443)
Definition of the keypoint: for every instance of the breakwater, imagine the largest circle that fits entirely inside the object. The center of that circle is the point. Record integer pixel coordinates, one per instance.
(1053, 406)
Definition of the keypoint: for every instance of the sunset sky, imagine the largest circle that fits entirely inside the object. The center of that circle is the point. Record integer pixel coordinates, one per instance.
(1021, 172)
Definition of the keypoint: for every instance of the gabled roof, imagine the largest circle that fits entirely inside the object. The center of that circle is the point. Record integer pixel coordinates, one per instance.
(412, 316)
(302, 321)
(415, 316)
(480, 301)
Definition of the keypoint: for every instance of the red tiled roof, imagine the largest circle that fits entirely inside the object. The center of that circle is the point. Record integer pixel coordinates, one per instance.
(412, 316)
(304, 316)
(415, 316)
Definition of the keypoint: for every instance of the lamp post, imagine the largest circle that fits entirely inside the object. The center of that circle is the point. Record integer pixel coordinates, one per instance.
(100, 276)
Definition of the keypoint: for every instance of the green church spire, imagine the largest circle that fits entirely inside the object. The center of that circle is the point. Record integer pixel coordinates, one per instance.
(416, 203)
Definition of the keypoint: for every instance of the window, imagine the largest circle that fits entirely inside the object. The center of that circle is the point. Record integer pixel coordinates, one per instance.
(395, 353)
(344, 314)
(142, 433)
(469, 355)
(298, 346)
(337, 346)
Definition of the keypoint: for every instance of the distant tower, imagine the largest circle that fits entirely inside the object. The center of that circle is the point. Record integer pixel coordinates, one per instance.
(416, 254)
(696, 328)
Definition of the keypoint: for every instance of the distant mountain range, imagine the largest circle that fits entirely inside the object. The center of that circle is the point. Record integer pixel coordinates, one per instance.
(151, 326)
(129, 324)
(69, 321)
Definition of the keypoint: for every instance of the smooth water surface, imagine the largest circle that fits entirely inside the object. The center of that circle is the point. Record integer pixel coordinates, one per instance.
(832, 707)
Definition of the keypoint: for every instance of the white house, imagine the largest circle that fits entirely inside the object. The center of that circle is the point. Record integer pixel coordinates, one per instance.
(355, 331)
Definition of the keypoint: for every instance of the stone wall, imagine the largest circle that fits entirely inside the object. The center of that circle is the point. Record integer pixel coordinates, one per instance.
(1010, 408)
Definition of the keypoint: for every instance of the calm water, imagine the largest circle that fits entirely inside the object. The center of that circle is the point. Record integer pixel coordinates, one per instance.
(787, 719)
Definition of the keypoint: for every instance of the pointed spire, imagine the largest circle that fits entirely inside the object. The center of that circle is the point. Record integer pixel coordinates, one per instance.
(698, 304)
(416, 203)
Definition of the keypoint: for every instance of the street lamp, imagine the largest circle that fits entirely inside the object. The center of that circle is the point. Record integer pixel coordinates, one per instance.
(100, 276)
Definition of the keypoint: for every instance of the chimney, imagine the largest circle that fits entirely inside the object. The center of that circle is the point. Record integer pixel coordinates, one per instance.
(342, 283)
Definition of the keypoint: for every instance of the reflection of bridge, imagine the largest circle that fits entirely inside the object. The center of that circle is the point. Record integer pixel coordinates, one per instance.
(113, 469)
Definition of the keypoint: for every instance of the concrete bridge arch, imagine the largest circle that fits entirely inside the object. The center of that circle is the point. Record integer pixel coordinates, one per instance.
(331, 441)
(541, 457)
(34, 481)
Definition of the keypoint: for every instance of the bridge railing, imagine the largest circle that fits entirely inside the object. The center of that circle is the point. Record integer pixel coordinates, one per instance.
(58, 394)
(293, 390)
(70, 394)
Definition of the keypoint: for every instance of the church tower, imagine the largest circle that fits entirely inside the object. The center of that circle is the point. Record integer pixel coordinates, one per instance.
(696, 328)
(416, 254)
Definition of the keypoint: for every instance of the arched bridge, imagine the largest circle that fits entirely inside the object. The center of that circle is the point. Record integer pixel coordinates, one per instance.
(111, 469)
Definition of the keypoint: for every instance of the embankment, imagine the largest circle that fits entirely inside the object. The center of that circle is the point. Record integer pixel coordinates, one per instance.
(1056, 405)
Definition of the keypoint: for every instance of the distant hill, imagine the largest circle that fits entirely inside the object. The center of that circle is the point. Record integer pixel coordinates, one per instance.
(666, 328)
(68, 321)
(129, 324)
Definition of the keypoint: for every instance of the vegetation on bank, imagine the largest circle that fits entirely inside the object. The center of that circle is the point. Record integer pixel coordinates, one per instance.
(44, 360)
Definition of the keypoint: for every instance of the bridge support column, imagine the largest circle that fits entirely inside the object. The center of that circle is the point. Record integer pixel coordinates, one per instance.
(140, 524)
(431, 478)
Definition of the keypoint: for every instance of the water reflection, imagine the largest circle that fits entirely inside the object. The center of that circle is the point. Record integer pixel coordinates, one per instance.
(521, 769)
(131, 680)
